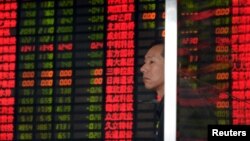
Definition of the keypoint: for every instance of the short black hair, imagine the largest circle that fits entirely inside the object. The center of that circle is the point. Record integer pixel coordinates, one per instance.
(159, 42)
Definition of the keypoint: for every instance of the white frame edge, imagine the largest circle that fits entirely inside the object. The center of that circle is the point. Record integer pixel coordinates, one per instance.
(170, 68)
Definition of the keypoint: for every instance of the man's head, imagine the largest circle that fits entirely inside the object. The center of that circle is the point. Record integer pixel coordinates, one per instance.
(153, 68)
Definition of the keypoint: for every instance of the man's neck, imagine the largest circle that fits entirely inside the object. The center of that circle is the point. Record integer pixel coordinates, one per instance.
(160, 93)
(159, 98)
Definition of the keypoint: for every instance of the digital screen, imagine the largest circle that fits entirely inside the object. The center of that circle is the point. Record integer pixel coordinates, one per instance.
(213, 58)
(70, 69)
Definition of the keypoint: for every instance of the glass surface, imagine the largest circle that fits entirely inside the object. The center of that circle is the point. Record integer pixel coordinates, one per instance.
(213, 66)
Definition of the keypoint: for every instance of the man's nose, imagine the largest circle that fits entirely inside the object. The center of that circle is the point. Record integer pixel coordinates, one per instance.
(142, 69)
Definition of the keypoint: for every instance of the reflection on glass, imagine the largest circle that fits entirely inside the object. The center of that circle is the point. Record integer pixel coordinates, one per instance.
(213, 85)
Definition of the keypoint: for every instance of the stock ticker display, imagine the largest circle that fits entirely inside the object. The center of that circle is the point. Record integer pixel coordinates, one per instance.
(213, 64)
(69, 69)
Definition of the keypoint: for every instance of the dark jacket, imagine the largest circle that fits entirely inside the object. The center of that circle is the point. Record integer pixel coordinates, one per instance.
(160, 121)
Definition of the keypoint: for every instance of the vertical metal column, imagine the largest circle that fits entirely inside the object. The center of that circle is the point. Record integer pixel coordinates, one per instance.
(170, 100)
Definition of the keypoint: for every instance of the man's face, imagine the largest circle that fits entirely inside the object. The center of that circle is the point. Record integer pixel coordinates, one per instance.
(153, 68)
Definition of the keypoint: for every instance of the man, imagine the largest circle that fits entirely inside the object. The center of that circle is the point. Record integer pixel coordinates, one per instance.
(153, 78)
